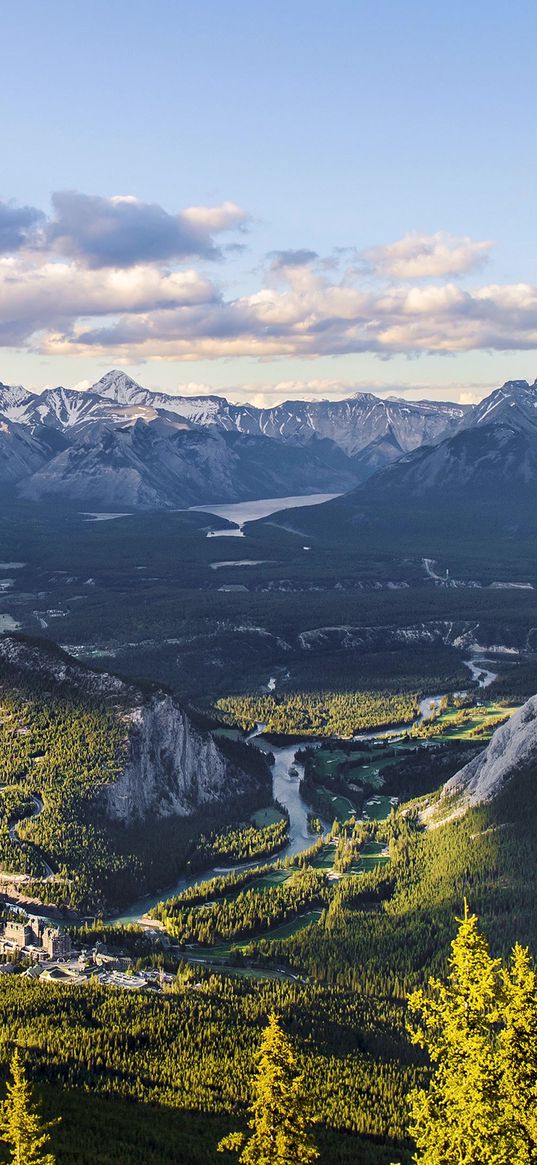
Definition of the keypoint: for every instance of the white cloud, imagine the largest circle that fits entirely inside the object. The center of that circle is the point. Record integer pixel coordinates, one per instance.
(418, 256)
(314, 321)
(36, 297)
(108, 279)
(215, 218)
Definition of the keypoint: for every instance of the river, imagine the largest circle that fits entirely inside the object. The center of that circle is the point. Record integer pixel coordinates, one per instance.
(286, 790)
(287, 774)
(482, 675)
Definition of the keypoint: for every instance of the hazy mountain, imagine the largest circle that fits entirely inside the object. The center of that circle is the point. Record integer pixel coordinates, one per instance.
(14, 401)
(66, 408)
(475, 462)
(159, 465)
(199, 410)
(23, 452)
(126, 445)
(481, 482)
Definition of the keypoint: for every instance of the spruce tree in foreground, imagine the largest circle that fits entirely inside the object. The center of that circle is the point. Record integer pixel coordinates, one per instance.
(480, 1031)
(278, 1117)
(21, 1126)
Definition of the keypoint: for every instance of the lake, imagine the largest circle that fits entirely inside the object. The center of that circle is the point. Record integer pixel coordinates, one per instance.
(242, 512)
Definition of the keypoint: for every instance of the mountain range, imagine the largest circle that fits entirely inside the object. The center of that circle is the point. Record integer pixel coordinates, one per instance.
(481, 474)
(119, 444)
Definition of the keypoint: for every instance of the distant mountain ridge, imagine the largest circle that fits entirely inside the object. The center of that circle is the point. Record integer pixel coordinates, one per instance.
(514, 404)
(352, 424)
(118, 443)
(485, 469)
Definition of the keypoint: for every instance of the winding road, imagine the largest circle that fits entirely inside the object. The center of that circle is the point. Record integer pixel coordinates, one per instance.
(37, 809)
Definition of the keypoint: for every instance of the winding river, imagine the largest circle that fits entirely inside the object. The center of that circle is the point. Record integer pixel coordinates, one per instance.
(286, 790)
(287, 774)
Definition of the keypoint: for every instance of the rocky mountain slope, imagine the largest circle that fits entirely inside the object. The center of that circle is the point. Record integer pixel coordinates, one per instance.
(514, 405)
(485, 473)
(163, 465)
(353, 425)
(119, 444)
(170, 768)
(512, 749)
(23, 451)
(473, 462)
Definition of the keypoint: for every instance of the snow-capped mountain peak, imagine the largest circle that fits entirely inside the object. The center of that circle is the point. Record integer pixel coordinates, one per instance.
(14, 402)
(116, 385)
(514, 404)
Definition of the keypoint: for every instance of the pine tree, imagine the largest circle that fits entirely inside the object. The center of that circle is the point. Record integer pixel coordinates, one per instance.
(517, 1051)
(20, 1123)
(462, 1117)
(480, 1030)
(278, 1117)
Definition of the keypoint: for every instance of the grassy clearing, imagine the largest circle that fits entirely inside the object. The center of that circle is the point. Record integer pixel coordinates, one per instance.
(263, 817)
(371, 855)
(479, 722)
(333, 806)
(275, 878)
(289, 928)
(377, 808)
(324, 860)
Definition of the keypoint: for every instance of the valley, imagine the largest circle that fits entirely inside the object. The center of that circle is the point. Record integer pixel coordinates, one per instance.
(226, 766)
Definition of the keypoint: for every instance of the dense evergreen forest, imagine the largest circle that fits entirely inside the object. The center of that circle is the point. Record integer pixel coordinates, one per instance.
(59, 748)
(240, 843)
(153, 1079)
(380, 935)
(322, 714)
(63, 749)
(141, 592)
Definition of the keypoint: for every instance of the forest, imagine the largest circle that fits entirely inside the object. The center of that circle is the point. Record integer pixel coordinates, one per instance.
(59, 748)
(319, 714)
(152, 1080)
(240, 843)
(379, 937)
(64, 749)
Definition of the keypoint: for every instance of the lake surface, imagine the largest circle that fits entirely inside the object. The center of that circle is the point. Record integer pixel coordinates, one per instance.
(241, 512)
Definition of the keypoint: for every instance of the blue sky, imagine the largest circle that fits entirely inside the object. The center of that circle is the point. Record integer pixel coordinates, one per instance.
(366, 173)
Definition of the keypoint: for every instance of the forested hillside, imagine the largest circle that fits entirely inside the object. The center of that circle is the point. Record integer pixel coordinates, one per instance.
(82, 814)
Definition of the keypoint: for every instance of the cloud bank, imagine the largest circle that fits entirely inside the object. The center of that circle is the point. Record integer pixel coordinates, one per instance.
(127, 280)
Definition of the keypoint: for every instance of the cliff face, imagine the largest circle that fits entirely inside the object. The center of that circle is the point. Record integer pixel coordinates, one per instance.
(512, 748)
(170, 768)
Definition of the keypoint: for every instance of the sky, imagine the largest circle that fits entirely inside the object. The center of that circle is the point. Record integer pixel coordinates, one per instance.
(269, 201)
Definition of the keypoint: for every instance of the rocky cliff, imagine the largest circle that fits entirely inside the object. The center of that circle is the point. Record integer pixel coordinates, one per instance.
(512, 749)
(169, 767)
(172, 769)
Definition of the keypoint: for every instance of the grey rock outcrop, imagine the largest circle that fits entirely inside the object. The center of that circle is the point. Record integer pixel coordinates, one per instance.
(170, 767)
(513, 748)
